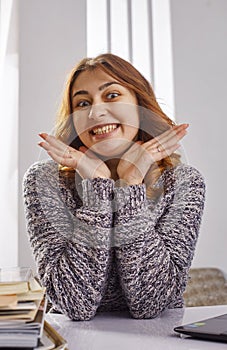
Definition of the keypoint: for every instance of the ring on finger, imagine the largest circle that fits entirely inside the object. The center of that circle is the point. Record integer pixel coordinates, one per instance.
(67, 151)
(159, 149)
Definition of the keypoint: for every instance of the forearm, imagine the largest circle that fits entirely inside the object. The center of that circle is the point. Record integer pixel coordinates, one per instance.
(143, 262)
(75, 279)
(72, 261)
(155, 248)
(151, 280)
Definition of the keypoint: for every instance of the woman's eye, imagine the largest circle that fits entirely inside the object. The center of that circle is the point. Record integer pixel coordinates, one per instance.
(83, 104)
(112, 95)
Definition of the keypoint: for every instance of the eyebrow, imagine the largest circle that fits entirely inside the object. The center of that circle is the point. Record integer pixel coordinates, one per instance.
(101, 87)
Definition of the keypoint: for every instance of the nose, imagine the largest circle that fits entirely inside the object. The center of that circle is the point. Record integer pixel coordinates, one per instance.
(97, 111)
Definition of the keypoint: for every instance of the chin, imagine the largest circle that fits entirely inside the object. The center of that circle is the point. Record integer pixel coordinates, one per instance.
(111, 148)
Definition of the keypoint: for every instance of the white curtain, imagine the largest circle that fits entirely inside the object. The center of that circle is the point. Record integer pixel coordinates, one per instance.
(9, 134)
(139, 31)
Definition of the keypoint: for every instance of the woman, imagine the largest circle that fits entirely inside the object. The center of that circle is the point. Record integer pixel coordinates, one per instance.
(113, 218)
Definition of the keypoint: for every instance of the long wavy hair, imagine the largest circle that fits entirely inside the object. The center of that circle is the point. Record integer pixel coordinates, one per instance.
(153, 121)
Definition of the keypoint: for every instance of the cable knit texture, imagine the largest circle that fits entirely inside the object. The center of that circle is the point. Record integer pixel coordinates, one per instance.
(100, 248)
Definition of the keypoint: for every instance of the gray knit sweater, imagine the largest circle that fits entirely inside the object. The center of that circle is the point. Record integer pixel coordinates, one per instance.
(99, 247)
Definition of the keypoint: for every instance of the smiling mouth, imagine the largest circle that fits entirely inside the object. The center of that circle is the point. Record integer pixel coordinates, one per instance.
(105, 129)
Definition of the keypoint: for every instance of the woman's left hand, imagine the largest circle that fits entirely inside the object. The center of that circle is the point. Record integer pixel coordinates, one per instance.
(136, 162)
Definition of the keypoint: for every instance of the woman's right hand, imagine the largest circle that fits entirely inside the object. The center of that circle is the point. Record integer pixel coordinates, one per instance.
(83, 161)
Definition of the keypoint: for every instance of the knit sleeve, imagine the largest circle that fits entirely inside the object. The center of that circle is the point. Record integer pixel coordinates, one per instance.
(71, 247)
(155, 244)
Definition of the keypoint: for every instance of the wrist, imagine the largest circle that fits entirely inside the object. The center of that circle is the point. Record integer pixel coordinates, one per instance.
(128, 182)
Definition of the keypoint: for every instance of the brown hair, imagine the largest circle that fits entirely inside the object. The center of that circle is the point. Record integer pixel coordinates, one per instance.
(153, 121)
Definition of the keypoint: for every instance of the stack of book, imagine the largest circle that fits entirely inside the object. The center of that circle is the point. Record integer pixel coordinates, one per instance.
(22, 312)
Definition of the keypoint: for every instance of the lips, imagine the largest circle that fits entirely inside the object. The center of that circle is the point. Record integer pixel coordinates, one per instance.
(103, 129)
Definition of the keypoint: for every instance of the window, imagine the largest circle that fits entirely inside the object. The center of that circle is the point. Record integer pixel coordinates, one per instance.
(139, 31)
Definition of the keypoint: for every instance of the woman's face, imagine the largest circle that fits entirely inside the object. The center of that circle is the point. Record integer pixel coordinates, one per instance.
(105, 113)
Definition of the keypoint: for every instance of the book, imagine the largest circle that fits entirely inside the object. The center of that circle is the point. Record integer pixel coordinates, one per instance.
(18, 334)
(22, 312)
(20, 294)
(31, 295)
(8, 300)
(19, 306)
(15, 313)
(50, 339)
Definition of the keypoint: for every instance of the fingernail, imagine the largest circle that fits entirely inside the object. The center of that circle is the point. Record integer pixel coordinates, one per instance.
(43, 135)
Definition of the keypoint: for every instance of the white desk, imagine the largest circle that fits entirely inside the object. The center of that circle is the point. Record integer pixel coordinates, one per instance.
(117, 331)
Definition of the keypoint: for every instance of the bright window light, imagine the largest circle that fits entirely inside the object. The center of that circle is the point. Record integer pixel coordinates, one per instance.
(140, 32)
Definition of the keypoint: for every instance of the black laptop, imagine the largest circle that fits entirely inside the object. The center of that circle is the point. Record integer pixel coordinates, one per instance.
(214, 328)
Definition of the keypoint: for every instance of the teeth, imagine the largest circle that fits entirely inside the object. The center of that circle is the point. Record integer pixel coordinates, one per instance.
(105, 129)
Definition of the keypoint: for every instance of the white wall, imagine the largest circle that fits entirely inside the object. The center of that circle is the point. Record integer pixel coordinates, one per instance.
(9, 81)
(52, 38)
(200, 58)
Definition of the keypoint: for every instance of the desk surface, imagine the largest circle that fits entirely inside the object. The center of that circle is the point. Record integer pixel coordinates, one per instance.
(117, 331)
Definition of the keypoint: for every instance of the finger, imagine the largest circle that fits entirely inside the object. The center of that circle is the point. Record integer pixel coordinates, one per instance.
(69, 162)
(67, 153)
(181, 126)
(56, 146)
(166, 152)
(52, 141)
(174, 139)
(164, 141)
(43, 135)
(176, 130)
(44, 145)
